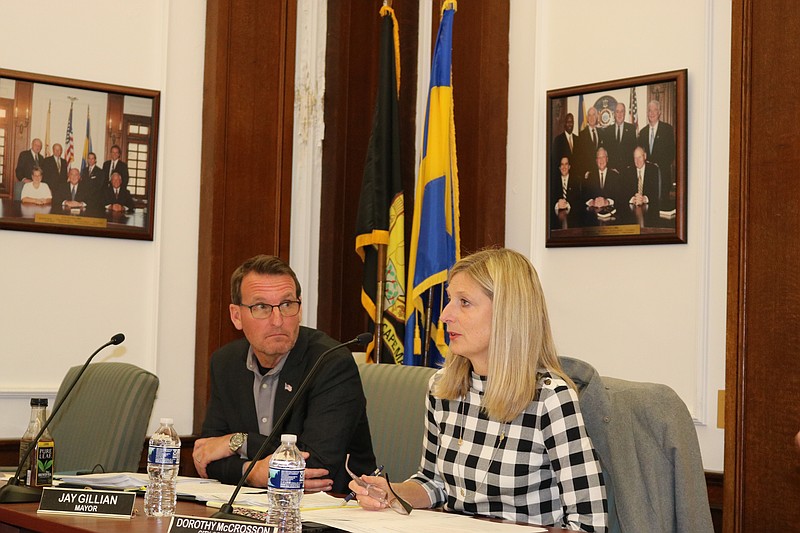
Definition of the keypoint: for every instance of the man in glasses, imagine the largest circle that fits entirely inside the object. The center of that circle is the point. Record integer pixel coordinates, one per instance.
(254, 378)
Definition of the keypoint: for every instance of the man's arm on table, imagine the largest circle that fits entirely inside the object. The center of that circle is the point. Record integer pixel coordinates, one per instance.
(212, 455)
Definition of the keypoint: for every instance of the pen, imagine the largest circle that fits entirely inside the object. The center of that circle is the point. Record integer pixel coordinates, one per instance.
(352, 494)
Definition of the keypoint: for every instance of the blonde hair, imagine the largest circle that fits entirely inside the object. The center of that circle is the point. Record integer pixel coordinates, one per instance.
(520, 343)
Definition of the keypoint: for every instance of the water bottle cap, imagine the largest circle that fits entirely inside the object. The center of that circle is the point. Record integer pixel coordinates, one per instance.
(288, 437)
(166, 421)
(38, 402)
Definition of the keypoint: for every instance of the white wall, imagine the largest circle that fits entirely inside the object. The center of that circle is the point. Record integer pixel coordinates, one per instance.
(62, 296)
(660, 316)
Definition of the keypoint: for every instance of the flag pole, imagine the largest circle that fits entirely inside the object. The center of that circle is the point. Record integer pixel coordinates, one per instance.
(379, 298)
(47, 152)
(427, 331)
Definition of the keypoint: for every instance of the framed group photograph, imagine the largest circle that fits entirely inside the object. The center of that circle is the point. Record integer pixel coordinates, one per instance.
(77, 157)
(616, 162)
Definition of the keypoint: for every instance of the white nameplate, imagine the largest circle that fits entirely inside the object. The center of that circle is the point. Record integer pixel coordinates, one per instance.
(107, 503)
(194, 524)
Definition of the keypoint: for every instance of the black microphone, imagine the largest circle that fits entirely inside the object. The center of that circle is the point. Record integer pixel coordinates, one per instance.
(226, 511)
(15, 490)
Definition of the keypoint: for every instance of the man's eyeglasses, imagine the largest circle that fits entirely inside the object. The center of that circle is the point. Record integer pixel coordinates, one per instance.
(261, 311)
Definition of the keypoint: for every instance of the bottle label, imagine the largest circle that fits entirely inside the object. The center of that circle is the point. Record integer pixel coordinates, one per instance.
(164, 455)
(42, 464)
(284, 478)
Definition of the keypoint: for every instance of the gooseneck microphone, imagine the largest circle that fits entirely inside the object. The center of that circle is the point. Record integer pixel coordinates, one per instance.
(15, 491)
(226, 511)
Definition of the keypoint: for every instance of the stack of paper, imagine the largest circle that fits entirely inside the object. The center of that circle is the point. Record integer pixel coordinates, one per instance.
(112, 480)
(130, 481)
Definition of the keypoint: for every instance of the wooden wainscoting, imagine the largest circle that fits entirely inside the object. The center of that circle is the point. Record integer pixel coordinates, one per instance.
(714, 483)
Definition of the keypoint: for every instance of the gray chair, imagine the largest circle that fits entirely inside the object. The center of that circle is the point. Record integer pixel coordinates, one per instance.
(104, 420)
(647, 444)
(396, 396)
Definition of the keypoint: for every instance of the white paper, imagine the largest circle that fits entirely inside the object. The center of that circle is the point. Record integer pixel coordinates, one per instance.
(257, 498)
(216, 495)
(357, 520)
(321, 500)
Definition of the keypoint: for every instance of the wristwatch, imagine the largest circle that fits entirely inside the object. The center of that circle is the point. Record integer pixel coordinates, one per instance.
(236, 441)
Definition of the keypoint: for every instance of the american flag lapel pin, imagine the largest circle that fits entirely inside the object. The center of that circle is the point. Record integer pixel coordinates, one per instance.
(287, 387)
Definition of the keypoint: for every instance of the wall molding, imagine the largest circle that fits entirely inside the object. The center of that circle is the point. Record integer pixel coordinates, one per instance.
(28, 393)
(700, 413)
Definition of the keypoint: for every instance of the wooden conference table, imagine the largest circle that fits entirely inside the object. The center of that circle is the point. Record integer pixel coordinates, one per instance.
(13, 211)
(22, 517)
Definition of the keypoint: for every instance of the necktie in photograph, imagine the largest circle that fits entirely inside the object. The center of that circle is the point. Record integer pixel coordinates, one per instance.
(652, 138)
(641, 180)
(73, 192)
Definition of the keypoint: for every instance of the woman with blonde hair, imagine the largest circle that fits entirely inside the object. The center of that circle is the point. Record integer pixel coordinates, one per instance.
(504, 433)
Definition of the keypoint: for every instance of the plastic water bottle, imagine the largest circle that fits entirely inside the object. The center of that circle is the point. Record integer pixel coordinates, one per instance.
(286, 479)
(163, 459)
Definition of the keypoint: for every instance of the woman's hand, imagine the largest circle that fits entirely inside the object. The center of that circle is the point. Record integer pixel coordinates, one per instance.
(372, 496)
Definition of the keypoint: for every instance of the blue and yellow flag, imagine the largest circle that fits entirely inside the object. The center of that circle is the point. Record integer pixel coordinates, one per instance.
(380, 219)
(87, 142)
(435, 243)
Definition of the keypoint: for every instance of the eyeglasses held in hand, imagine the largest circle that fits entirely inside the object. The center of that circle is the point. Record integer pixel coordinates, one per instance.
(261, 311)
(394, 501)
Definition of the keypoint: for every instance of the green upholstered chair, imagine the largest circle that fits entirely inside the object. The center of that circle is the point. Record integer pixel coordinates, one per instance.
(104, 420)
(396, 397)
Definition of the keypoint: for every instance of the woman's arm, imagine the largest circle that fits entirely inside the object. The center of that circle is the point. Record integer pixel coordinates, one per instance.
(583, 491)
